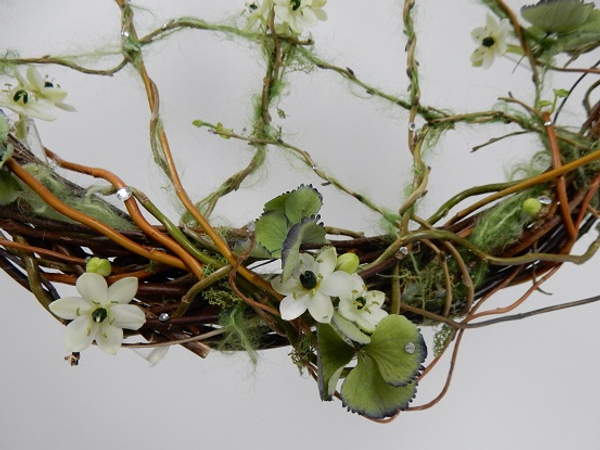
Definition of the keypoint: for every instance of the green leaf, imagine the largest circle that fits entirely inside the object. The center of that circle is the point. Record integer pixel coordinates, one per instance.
(398, 349)
(9, 188)
(4, 126)
(302, 202)
(350, 330)
(561, 92)
(308, 231)
(557, 16)
(365, 391)
(271, 231)
(332, 357)
(277, 204)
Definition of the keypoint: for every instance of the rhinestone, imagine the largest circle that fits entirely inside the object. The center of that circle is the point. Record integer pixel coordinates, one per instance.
(412, 126)
(125, 34)
(548, 123)
(544, 200)
(403, 250)
(409, 347)
(124, 193)
(164, 317)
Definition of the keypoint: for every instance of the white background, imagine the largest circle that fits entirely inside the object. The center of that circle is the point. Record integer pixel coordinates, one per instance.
(519, 385)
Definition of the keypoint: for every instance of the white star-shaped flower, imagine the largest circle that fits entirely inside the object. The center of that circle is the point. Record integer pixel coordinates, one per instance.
(361, 306)
(298, 14)
(100, 314)
(492, 41)
(311, 287)
(42, 89)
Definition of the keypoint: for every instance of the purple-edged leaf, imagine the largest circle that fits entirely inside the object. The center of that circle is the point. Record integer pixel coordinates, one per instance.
(308, 231)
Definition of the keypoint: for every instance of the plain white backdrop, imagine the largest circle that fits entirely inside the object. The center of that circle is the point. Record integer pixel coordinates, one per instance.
(519, 385)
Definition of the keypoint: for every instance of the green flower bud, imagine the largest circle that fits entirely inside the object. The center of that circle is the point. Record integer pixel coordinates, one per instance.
(99, 266)
(348, 262)
(532, 207)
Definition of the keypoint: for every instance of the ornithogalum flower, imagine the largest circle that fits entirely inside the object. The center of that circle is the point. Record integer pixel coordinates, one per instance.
(24, 103)
(298, 14)
(312, 285)
(361, 306)
(492, 41)
(100, 314)
(42, 89)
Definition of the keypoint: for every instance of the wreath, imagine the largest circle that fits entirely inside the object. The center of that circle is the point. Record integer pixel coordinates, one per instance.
(350, 306)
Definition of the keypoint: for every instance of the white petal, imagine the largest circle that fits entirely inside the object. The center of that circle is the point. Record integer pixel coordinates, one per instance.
(70, 307)
(291, 308)
(321, 308)
(369, 319)
(291, 285)
(36, 81)
(54, 95)
(308, 17)
(131, 317)
(336, 284)
(478, 34)
(109, 339)
(326, 261)
(92, 287)
(80, 334)
(347, 309)
(123, 290)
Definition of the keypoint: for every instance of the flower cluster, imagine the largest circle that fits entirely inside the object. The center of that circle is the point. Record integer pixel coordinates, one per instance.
(293, 15)
(315, 283)
(34, 96)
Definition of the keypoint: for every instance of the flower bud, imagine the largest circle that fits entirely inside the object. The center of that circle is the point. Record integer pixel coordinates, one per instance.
(532, 207)
(348, 262)
(98, 265)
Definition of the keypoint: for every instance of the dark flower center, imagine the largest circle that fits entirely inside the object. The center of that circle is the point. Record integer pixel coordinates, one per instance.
(360, 303)
(21, 95)
(308, 280)
(295, 4)
(488, 41)
(99, 315)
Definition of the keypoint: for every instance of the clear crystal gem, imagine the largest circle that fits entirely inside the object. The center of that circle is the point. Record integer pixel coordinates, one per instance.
(410, 347)
(403, 250)
(548, 123)
(124, 193)
(544, 200)
(163, 317)
(412, 126)
(125, 34)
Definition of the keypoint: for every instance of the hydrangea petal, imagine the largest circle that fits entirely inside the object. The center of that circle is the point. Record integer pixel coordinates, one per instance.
(80, 334)
(70, 308)
(130, 317)
(92, 287)
(109, 339)
(123, 290)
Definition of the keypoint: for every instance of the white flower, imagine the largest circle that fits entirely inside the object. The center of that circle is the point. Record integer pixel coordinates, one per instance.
(311, 286)
(43, 90)
(491, 40)
(361, 306)
(101, 314)
(298, 14)
(25, 103)
(259, 13)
